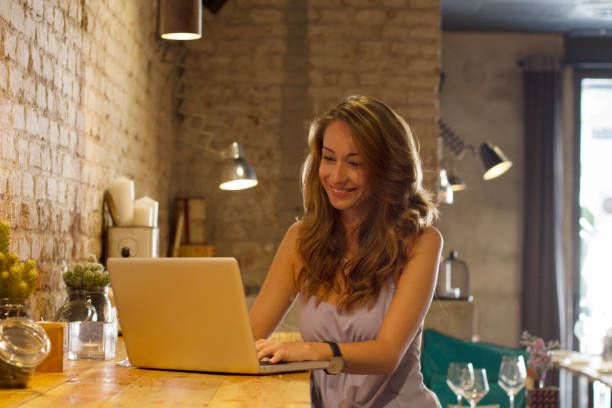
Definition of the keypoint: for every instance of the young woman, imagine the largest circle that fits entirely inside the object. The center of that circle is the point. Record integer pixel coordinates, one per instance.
(363, 259)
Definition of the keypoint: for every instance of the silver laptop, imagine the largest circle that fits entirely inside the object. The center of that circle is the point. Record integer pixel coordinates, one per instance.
(188, 314)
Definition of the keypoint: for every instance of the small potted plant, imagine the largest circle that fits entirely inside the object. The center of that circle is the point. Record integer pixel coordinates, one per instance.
(540, 359)
(17, 279)
(87, 281)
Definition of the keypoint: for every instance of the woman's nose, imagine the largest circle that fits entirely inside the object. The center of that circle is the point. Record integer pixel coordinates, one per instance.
(338, 172)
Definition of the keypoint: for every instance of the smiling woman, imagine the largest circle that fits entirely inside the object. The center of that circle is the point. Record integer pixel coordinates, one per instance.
(363, 260)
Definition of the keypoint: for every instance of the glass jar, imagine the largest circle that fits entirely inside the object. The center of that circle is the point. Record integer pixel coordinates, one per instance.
(87, 305)
(23, 345)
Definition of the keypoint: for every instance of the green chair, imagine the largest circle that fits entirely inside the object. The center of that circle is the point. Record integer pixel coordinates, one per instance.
(440, 350)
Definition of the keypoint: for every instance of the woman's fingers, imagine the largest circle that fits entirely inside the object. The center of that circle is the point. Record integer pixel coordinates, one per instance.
(271, 349)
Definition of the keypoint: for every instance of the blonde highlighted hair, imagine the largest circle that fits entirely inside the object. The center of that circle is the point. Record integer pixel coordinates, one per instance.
(400, 207)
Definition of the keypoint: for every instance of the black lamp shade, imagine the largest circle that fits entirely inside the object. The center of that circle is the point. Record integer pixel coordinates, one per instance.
(180, 19)
(494, 161)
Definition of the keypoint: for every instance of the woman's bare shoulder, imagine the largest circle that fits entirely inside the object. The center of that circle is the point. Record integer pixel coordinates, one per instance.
(431, 235)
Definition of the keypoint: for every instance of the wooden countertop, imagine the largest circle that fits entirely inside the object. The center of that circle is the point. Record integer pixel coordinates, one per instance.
(588, 366)
(106, 384)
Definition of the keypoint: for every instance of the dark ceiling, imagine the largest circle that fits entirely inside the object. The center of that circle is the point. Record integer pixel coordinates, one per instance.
(571, 17)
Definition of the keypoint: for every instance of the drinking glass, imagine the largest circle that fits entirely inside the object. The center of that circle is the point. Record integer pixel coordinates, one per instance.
(480, 387)
(459, 377)
(512, 374)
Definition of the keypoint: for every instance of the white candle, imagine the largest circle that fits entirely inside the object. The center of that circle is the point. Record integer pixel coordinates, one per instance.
(143, 216)
(122, 191)
(148, 209)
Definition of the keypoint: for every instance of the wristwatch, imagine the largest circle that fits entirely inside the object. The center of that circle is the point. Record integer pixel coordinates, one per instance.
(336, 364)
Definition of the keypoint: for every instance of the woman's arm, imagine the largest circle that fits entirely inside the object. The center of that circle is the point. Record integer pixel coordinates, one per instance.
(408, 308)
(279, 288)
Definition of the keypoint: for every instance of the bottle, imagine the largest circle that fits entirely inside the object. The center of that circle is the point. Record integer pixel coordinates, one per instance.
(453, 278)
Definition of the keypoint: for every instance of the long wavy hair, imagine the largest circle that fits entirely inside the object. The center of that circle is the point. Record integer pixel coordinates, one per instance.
(399, 207)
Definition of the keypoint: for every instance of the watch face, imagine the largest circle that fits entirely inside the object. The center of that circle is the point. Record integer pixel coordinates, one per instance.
(336, 364)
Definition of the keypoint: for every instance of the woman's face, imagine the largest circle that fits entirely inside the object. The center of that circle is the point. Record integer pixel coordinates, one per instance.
(342, 171)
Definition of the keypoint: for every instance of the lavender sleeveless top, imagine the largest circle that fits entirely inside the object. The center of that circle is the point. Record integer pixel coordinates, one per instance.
(403, 388)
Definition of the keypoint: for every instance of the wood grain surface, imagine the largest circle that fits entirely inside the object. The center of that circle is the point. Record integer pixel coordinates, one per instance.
(107, 384)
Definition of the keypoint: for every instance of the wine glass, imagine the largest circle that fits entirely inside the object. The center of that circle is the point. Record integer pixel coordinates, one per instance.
(512, 374)
(474, 393)
(458, 377)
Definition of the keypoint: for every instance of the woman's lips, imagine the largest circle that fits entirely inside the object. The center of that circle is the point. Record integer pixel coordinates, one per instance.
(341, 192)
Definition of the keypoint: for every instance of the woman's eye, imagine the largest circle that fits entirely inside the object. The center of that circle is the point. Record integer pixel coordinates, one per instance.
(328, 158)
(356, 164)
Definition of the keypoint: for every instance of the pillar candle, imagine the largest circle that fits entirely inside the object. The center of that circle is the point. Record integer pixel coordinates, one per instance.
(147, 210)
(143, 215)
(122, 191)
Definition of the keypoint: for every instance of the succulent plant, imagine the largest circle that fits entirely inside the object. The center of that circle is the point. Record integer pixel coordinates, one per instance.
(17, 280)
(87, 275)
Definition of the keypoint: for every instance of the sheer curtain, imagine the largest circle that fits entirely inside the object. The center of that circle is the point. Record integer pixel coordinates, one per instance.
(542, 302)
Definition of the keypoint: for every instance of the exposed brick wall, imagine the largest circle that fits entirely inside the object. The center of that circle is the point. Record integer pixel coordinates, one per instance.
(264, 68)
(83, 99)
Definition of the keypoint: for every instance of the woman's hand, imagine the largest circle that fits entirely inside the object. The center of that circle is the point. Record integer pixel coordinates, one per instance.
(283, 350)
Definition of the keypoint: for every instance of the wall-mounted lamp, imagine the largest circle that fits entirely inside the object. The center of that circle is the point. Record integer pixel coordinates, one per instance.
(180, 19)
(494, 161)
(237, 173)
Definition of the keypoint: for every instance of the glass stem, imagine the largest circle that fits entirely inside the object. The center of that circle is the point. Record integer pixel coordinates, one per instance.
(511, 396)
(458, 400)
(472, 403)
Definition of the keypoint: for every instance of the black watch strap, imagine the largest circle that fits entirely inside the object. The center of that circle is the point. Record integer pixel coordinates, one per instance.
(335, 349)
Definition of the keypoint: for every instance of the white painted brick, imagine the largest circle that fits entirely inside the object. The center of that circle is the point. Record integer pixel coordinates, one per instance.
(4, 76)
(31, 121)
(61, 198)
(40, 189)
(64, 136)
(14, 184)
(36, 61)
(58, 23)
(9, 153)
(23, 248)
(50, 100)
(41, 36)
(23, 53)
(68, 167)
(29, 28)
(36, 246)
(52, 189)
(29, 89)
(45, 157)
(37, 8)
(10, 44)
(49, 12)
(56, 162)
(51, 44)
(34, 155)
(17, 16)
(18, 115)
(27, 186)
(43, 127)
(41, 96)
(5, 10)
(3, 182)
(15, 81)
